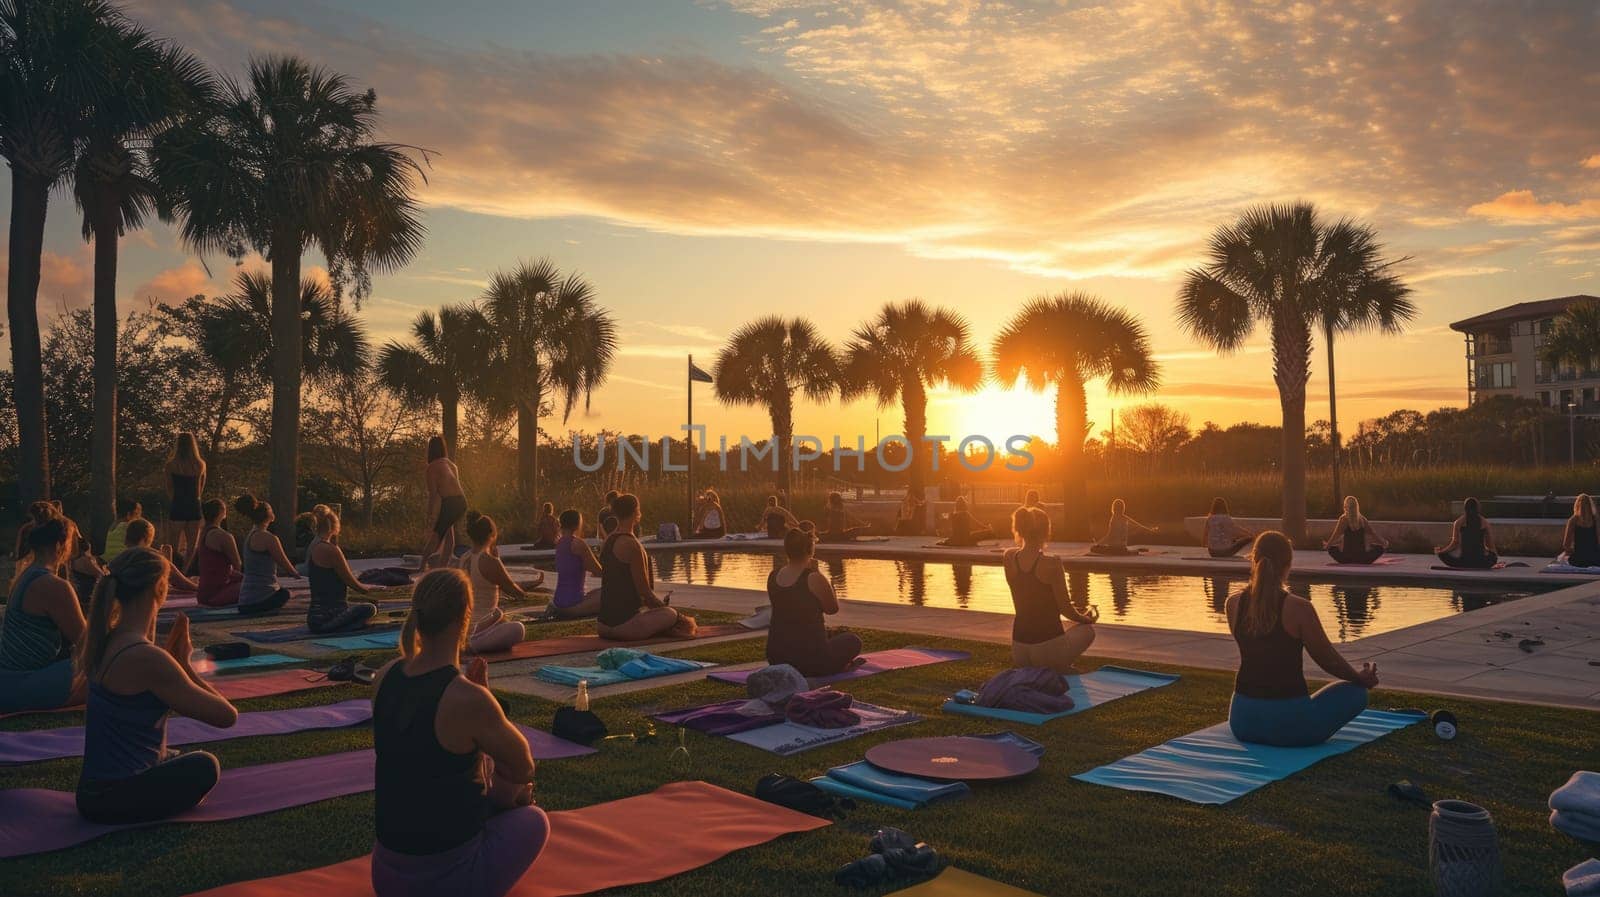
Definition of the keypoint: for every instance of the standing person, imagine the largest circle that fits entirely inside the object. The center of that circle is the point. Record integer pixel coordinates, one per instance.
(447, 504)
(708, 517)
(453, 796)
(186, 482)
(1471, 543)
(128, 510)
(42, 622)
(1224, 537)
(331, 581)
(1353, 541)
(1274, 630)
(1041, 598)
(841, 527)
(909, 518)
(1118, 531)
(491, 632)
(262, 560)
(965, 530)
(629, 608)
(129, 775)
(1579, 544)
(777, 519)
(574, 561)
(221, 569)
(800, 596)
(549, 528)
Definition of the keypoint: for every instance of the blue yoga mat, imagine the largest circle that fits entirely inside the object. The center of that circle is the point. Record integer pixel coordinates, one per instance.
(245, 663)
(301, 633)
(631, 671)
(787, 738)
(863, 781)
(1088, 690)
(385, 639)
(1212, 767)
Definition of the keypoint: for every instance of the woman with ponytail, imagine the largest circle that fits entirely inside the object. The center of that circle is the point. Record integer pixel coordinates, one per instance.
(1273, 629)
(83, 568)
(1041, 598)
(491, 631)
(1580, 541)
(43, 619)
(1471, 543)
(141, 533)
(1353, 540)
(262, 560)
(454, 786)
(128, 775)
(331, 580)
(217, 558)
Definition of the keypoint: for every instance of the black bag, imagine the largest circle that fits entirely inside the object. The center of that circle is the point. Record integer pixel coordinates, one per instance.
(801, 796)
(578, 726)
(228, 650)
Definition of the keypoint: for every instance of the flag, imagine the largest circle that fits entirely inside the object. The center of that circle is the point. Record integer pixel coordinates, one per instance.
(697, 375)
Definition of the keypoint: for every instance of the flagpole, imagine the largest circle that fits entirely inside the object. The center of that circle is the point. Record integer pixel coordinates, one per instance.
(689, 377)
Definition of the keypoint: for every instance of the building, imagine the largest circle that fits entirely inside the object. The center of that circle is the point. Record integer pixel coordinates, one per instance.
(1503, 357)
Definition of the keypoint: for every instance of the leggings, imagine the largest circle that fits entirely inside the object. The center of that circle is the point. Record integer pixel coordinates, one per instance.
(225, 594)
(1058, 653)
(160, 792)
(826, 659)
(45, 688)
(1231, 550)
(1366, 556)
(1296, 722)
(496, 637)
(1482, 562)
(489, 865)
(267, 605)
(451, 509)
(354, 616)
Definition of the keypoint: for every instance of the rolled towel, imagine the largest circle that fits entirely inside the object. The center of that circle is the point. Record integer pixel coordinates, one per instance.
(1583, 880)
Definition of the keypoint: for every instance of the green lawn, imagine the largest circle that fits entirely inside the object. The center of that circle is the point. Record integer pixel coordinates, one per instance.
(1328, 830)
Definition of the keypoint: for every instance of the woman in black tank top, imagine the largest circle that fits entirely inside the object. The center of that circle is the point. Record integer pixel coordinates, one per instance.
(1353, 540)
(1041, 598)
(797, 635)
(454, 783)
(1581, 540)
(629, 608)
(1471, 544)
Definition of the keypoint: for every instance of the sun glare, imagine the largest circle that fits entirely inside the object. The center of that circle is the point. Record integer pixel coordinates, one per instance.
(996, 413)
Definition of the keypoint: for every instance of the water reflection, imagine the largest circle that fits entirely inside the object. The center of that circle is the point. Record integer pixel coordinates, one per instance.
(963, 578)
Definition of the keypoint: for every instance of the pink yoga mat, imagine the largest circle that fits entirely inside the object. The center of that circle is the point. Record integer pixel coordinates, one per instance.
(237, 688)
(674, 829)
(579, 644)
(38, 820)
(876, 662)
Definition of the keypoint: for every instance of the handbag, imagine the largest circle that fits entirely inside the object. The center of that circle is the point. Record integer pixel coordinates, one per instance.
(577, 726)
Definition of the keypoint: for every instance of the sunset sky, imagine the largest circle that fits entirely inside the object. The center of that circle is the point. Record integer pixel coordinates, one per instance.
(704, 163)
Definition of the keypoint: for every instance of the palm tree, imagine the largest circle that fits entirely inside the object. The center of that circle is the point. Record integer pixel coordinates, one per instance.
(282, 162)
(159, 83)
(1069, 340)
(907, 349)
(1575, 338)
(52, 54)
(553, 340)
(1279, 266)
(443, 363)
(766, 363)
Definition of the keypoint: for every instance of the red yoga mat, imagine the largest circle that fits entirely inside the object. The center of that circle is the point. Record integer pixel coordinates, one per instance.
(671, 830)
(579, 644)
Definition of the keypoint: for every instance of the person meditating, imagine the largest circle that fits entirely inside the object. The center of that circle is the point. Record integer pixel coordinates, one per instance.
(447, 504)
(1580, 546)
(965, 530)
(1273, 628)
(217, 557)
(629, 608)
(909, 518)
(128, 510)
(43, 620)
(1352, 540)
(709, 517)
(800, 596)
(1118, 530)
(1471, 543)
(1224, 538)
(841, 527)
(606, 521)
(262, 560)
(129, 775)
(548, 527)
(491, 632)
(1041, 598)
(453, 797)
(83, 569)
(777, 519)
(141, 534)
(574, 561)
(331, 581)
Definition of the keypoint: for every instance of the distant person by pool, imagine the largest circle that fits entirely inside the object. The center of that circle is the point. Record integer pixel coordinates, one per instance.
(965, 530)
(800, 597)
(1353, 540)
(840, 526)
(574, 561)
(709, 517)
(548, 527)
(1118, 531)
(1041, 598)
(777, 519)
(1273, 629)
(911, 517)
(1031, 500)
(1471, 541)
(1579, 541)
(606, 521)
(1224, 537)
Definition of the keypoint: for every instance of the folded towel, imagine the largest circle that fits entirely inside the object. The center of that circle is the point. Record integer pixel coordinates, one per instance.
(1583, 826)
(1583, 880)
(724, 718)
(647, 666)
(1027, 689)
(775, 684)
(823, 709)
(614, 658)
(863, 780)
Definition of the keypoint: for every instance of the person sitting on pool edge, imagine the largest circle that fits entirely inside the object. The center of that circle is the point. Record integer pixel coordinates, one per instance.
(453, 795)
(43, 620)
(841, 527)
(1273, 629)
(1471, 543)
(1224, 538)
(129, 775)
(800, 597)
(548, 527)
(1580, 546)
(965, 530)
(606, 521)
(1041, 598)
(331, 579)
(491, 632)
(777, 519)
(629, 608)
(1115, 542)
(709, 523)
(1353, 541)
(910, 518)
(574, 561)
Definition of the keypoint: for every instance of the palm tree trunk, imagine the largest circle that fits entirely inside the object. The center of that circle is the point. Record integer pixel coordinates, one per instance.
(287, 349)
(783, 434)
(1291, 353)
(103, 443)
(1072, 428)
(30, 197)
(1333, 417)
(915, 399)
(223, 402)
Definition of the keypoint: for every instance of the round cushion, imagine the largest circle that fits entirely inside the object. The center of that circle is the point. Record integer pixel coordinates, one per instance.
(953, 758)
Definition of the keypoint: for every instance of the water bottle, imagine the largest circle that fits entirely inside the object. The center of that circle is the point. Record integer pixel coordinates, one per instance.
(581, 702)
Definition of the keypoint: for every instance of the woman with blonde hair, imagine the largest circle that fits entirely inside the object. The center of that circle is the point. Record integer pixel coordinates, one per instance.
(331, 580)
(1118, 532)
(1274, 629)
(186, 482)
(491, 632)
(709, 522)
(43, 619)
(1352, 540)
(1040, 596)
(1580, 546)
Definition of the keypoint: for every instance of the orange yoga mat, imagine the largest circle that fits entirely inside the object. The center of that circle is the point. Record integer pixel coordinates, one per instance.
(674, 829)
(579, 644)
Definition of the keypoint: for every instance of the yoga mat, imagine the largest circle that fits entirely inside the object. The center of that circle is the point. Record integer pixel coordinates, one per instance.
(236, 688)
(1088, 690)
(876, 662)
(598, 676)
(1380, 562)
(864, 781)
(581, 644)
(50, 744)
(1468, 569)
(300, 633)
(1212, 767)
(37, 820)
(953, 882)
(952, 758)
(203, 664)
(636, 840)
(786, 738)
(371, 639)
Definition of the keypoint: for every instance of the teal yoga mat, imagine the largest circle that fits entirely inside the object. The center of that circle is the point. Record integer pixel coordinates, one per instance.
(246, 663)
(1088, 690)
(386, 639)
(630, 672)
(1212, 767)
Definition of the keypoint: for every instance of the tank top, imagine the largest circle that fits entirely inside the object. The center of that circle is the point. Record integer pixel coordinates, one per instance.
(1219, 531)
(329, 594)
(116, 539)
(83, 583)
(619, 597)
(713, 519)
(214, 569)
(428, 799)
(1117, 532)
(1355, 541)
(1269, 665)
(1038, 617)
(260, 573)
(797, 634)
(570, 575)
(485, 594)
(185, 496)
(28, 641)
(1585, 546)
(1471, 539)
(123, 735)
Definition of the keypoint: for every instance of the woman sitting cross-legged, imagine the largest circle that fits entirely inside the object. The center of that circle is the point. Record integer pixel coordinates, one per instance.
(548, 527)
(1117, 532)
(262, 560)
(454, 786)
(965, 530)
(777, 519)
(1353, 541)
(1224, 537)
(709, 522)
(43, 621)
(800, 597)
(1273, 628)
(129, 775)
(629, 608)
(1580, 545)
(491, 631)
(218, 563)
(839, 525)
(142, 533)
(575, 560)
(331, 581)
(1040, 595)
(1471, 543)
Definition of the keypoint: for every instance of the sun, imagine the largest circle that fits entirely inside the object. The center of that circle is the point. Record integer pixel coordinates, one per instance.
(994, 412)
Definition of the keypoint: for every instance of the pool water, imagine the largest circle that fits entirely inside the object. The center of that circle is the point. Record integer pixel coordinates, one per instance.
(1349, 609)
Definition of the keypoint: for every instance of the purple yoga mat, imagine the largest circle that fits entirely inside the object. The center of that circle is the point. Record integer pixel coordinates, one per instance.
(38, 820)
(49, 744)
(722, 718)
(876, 662)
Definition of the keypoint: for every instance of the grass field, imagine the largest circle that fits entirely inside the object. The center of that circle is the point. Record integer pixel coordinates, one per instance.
(1328, 830)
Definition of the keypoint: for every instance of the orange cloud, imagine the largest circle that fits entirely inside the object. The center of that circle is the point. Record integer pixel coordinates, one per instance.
(1522, 207)
(65, 281)
(174, 285)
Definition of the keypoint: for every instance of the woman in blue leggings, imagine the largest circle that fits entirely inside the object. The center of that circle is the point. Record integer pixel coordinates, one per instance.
(1273, 628)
